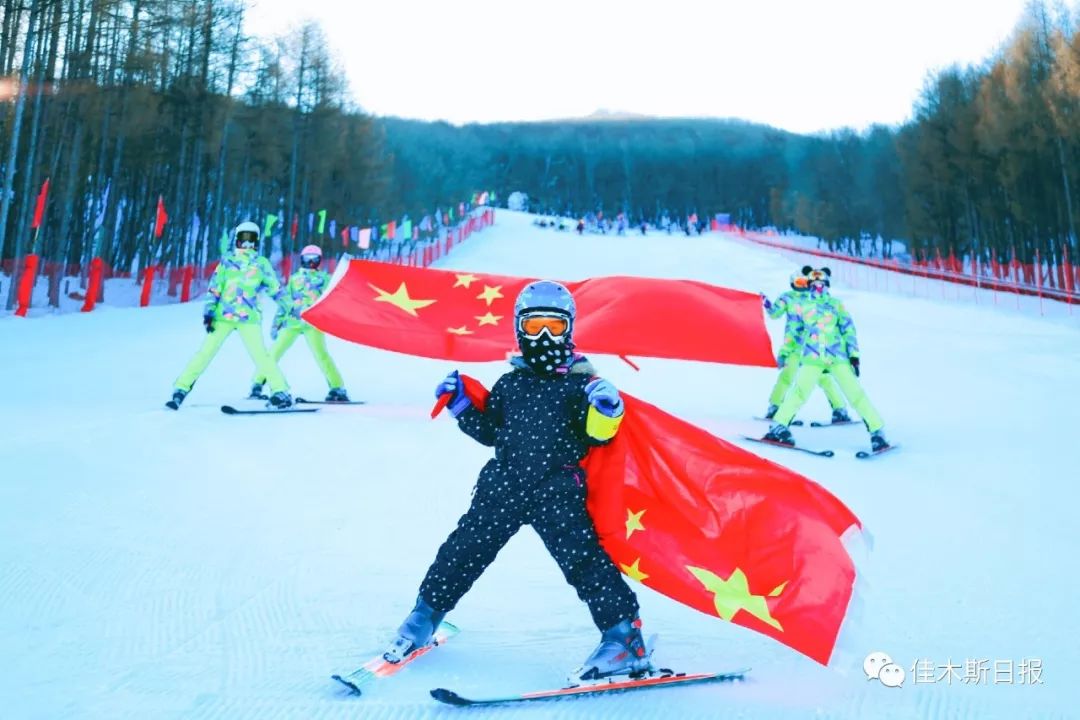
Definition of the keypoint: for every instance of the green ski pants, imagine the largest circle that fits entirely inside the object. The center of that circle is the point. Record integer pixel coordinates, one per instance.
(809, 376)
(316, 341)
(251, 334)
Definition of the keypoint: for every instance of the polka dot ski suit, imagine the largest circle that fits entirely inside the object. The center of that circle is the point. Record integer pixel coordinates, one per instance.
(536, 424)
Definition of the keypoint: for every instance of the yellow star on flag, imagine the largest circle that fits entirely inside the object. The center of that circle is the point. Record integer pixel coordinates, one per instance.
(489, 319)
(490, 294)
(733, 594)
(633, 522)
(400, 298)
(464, 280)
(633, 570)
(460, 331)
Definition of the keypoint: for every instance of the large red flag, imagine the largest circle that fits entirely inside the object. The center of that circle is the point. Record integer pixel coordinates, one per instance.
(161, 218)
(718, 528)
(469, 316)
(39, 208)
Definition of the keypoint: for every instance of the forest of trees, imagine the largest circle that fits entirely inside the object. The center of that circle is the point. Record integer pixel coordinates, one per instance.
(989, 163)
(119, 102)
(126, 101)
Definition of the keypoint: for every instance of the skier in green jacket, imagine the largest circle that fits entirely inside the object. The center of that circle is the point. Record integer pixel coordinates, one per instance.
(300, 292)
(232, 304)
(789, 304)
(828, 342)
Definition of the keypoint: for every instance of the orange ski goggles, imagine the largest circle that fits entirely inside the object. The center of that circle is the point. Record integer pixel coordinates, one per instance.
(532, 325)
(801, 282)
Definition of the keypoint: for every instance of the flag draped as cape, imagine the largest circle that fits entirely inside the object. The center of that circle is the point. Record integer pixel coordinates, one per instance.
(718, 528)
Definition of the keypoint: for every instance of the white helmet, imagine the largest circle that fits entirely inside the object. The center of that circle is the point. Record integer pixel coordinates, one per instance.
(246, 236)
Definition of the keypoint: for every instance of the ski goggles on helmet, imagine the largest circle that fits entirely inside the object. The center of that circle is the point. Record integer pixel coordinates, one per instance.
(800, 282)
(532, 324)
(819, 276)
(311, 260)
(247, 239)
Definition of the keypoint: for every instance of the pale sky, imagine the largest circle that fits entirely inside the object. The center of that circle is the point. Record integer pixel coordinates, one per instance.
(801, 66)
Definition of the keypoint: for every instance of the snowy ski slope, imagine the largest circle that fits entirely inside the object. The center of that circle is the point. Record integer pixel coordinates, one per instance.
(193, 565)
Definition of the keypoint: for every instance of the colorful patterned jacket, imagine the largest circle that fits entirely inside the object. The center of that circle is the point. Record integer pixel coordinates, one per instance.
(790, 305)
(235, 286)
(303, 289)
(826, 331)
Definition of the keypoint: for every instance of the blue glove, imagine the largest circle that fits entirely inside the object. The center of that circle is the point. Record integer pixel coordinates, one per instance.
(458, 401)
(208, 322)
(604, 397)
(765, 302)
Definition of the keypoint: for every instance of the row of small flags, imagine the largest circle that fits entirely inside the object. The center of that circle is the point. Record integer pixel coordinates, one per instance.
(358, 236)
(362, 237)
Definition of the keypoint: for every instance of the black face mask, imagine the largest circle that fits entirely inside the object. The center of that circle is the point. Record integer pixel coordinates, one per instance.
(543, 354)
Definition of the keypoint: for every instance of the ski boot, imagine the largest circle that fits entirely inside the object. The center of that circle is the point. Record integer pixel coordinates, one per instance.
(878, 441)
(257, 392)
(839, 415)
(621, 651)
(771, 412)
(779, 434)
(337, 395)
(415, 632)
(279, 401)
(177, 398)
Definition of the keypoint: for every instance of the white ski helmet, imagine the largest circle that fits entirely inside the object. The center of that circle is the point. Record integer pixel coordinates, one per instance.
(246, 236)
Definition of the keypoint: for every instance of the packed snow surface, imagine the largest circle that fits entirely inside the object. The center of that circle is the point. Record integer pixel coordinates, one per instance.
(158, 564)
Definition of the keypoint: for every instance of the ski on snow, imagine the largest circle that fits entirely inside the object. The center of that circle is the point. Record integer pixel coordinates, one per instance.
(230, 410)
(378, 667)
(793, 423)
(816, 424)
(302, 401)
(867, 455)
(763, 441)
(665, 678)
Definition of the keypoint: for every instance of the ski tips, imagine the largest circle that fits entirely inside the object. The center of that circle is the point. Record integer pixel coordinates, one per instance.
(355, 689)
(449, 697)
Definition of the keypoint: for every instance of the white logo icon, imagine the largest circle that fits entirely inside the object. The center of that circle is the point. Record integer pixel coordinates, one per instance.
(892, 675)
(879, 666)
(873, 663)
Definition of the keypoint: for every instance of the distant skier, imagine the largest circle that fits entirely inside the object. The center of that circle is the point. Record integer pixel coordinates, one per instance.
(789, 304)
(541, 417)
(232, 304)
(581, 227)
(300, 292)
(829, 344)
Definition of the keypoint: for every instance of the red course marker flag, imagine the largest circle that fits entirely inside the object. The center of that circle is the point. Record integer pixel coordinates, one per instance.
(161, 219)
(39, 209)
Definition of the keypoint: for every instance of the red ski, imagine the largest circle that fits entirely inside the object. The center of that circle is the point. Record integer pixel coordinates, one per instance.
(377, 667)
(665, 678)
